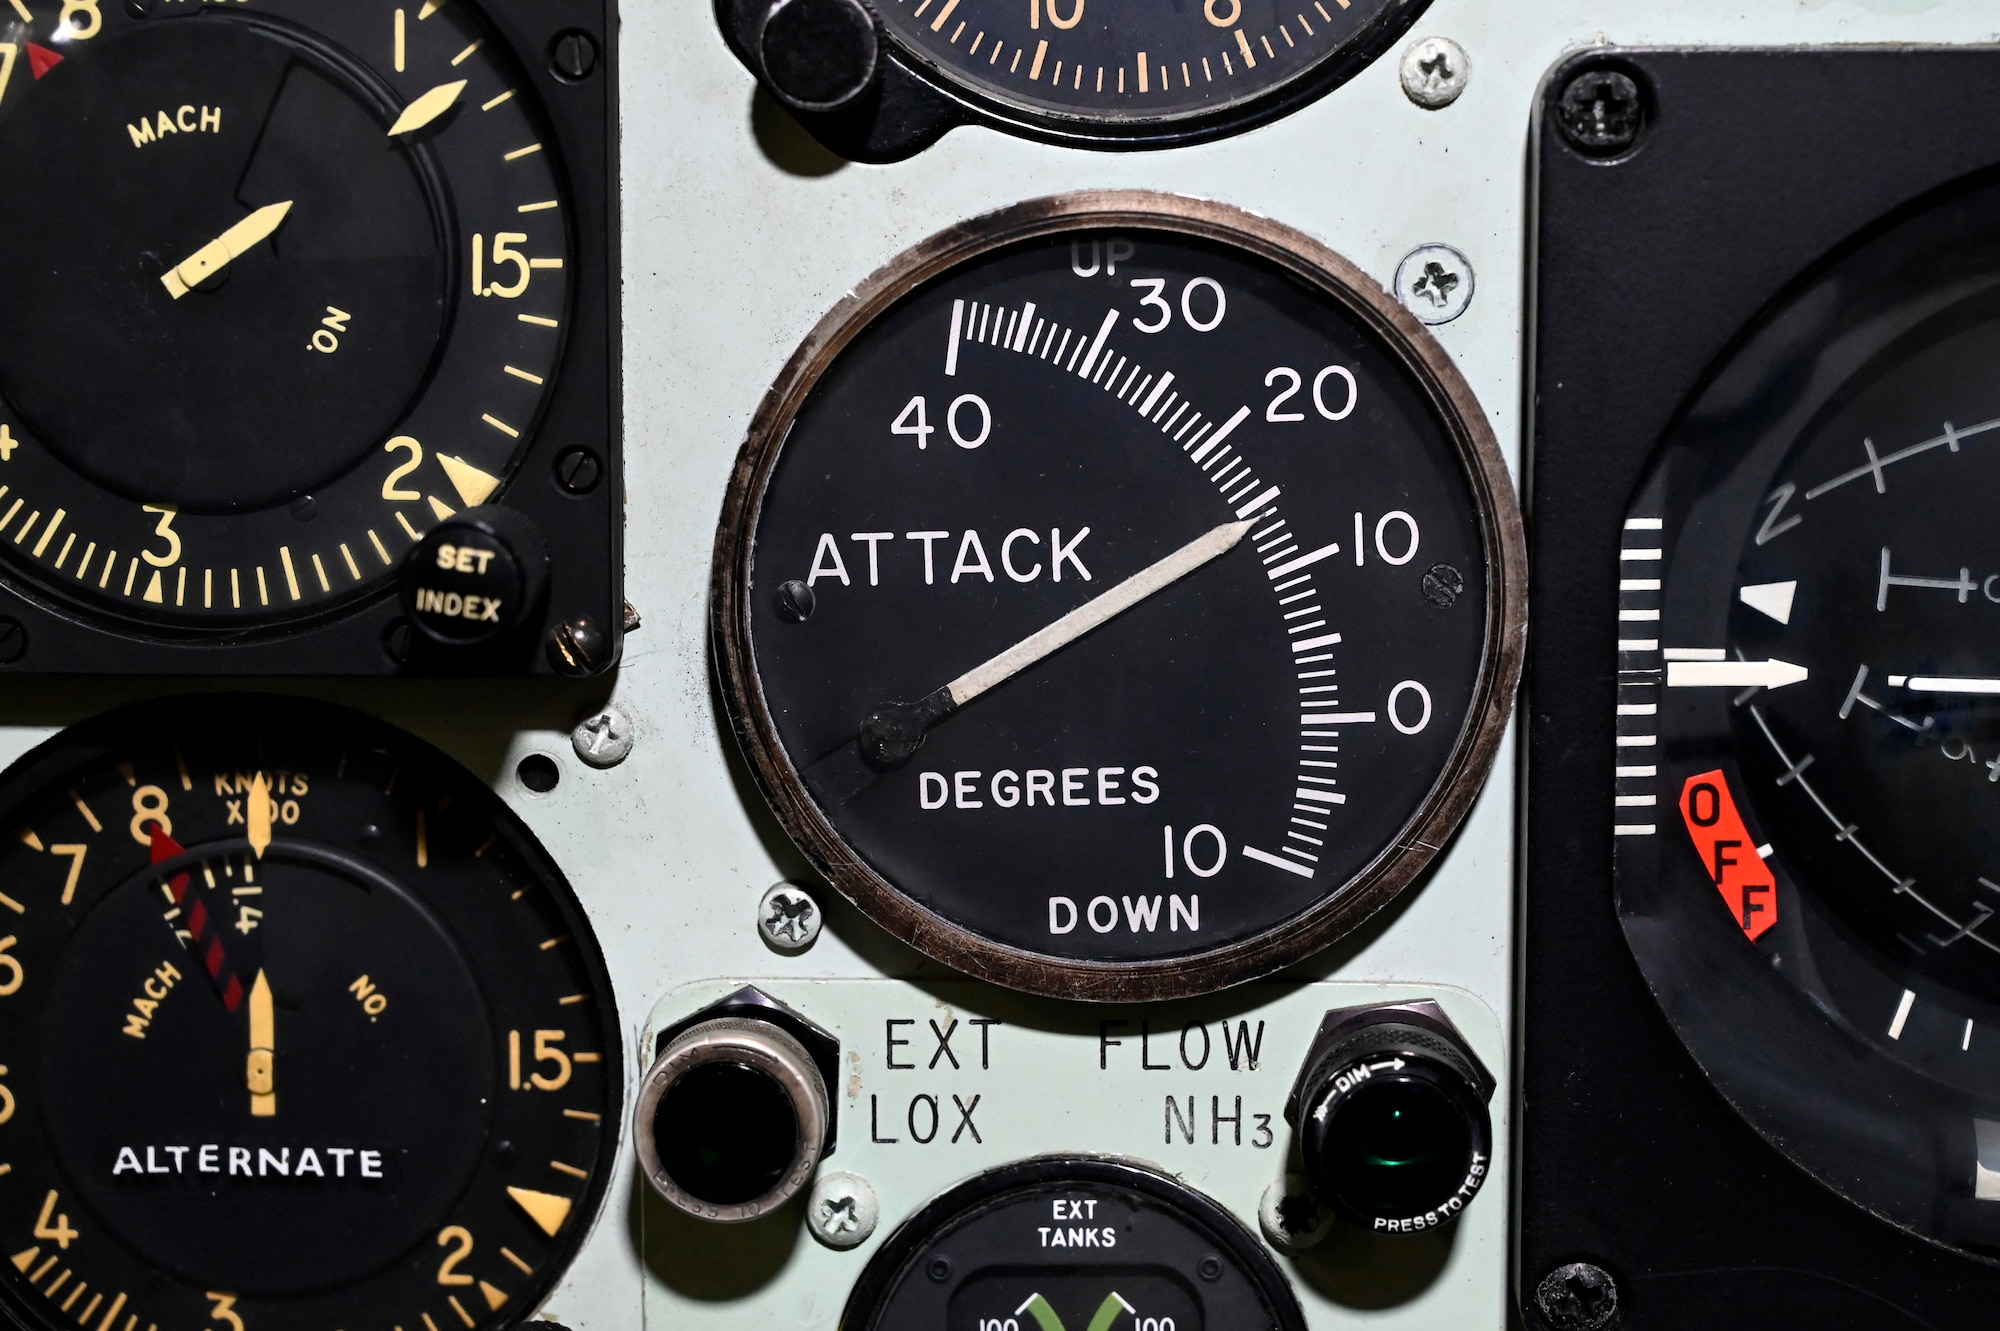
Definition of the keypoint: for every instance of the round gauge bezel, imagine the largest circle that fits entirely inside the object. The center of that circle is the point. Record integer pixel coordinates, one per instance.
(746, 1043)
(1136, 133)
(996, 1186)
(92, 744)
(1423, 833)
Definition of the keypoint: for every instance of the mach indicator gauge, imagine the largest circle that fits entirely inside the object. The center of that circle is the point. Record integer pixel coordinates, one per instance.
(881, 79)
(1809, 762)
(298, 1028)
(295, 284)
(1073, 1244)
(1119, 596)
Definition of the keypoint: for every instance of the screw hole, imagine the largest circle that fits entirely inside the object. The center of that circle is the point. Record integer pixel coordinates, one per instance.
(539, 773)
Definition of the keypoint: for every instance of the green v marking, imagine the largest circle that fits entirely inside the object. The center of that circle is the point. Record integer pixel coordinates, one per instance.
(1046, 1317)
(1040, 1309)
(1107, 1311)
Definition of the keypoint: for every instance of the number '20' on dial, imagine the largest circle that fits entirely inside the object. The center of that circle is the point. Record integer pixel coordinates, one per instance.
(298, 1028)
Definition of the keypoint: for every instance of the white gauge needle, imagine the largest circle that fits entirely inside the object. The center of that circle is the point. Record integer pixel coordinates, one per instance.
(893, 733)
(225, 249)
(261, 1071)
(1947, 684)
(1733, 674)
(427, 108)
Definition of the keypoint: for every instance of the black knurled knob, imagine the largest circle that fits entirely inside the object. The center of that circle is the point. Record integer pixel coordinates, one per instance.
(1392, 1119)
(818, 55)
(476, 578)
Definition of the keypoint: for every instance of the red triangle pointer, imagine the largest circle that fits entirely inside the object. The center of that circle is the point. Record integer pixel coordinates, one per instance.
(41, 59)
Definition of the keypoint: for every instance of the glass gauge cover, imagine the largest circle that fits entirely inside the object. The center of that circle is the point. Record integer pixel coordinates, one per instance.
(1123, 64)
(1089, 73)
(298, 1027)
(1119, 596)
(1073, 1242)
(1808, 863)
(295, 284)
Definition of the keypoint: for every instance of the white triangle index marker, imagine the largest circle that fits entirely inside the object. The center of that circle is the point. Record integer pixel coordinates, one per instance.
(1773, 598)
(474, 486)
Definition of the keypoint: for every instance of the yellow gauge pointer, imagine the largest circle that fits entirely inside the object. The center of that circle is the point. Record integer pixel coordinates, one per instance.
(427, 108)
(257, 816)
(261, 1070)
(225, 249)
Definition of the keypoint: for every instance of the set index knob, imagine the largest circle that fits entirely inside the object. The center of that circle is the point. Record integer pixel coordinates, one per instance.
(476, 580)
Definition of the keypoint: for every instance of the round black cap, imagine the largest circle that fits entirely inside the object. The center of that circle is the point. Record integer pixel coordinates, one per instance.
(818, 54)
(727, 1132)
(476, 578)
(1395, 1138)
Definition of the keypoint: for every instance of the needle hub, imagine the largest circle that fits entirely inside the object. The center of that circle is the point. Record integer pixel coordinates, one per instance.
(894, 732)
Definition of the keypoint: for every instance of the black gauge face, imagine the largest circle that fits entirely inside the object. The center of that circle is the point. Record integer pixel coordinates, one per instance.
(1126, 67)
(291, 288)
(1811, 838)
(1078, 1243)
(1131, 602)
(298, 1024)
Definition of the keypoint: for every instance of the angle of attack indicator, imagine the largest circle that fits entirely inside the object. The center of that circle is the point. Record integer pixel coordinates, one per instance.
(1136, 592)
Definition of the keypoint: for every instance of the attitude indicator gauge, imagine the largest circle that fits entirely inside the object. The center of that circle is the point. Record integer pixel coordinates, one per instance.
(881, 79)
(1074, 1243)
(297, 283)
(299, 1027)
(1119, 596)
(1810, 725)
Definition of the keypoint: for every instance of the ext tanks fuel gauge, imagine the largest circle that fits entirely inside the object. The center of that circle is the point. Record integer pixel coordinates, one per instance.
(1072, 1244)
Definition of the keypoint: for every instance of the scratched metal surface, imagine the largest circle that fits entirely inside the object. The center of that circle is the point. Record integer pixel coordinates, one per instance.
(738, 234)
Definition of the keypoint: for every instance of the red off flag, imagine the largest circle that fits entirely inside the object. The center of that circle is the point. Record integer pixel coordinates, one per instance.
(1728, 853)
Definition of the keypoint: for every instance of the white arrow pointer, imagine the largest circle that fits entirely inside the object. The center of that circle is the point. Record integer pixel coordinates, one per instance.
(1733, 674)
